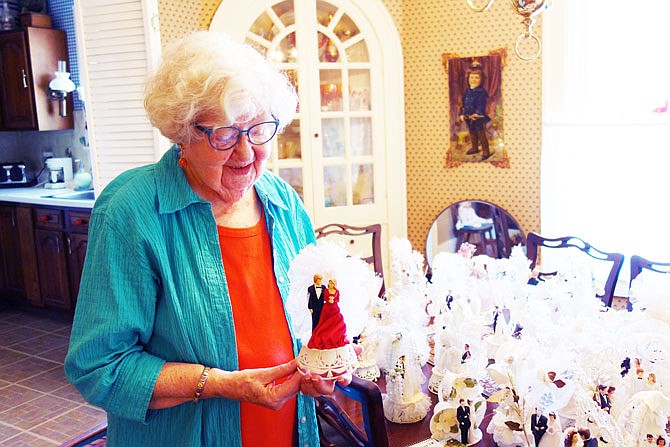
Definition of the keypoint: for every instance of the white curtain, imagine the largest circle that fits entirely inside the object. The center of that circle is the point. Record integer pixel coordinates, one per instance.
(606, 144)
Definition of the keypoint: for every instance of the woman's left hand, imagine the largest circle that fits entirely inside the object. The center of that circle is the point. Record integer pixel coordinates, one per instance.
(314, 385)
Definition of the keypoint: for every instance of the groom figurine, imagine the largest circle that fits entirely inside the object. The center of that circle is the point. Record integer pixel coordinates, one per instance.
(602, 399)
(585, 434)
(463, 416)
(315, 300)
(538, 425)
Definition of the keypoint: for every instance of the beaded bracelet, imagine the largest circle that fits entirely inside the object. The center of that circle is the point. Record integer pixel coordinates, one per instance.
(201, 384)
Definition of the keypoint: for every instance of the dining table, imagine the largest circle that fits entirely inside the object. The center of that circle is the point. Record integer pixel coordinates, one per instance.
(416, 434)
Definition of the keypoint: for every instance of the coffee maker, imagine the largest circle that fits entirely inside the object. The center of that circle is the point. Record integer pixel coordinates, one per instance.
(60, 172)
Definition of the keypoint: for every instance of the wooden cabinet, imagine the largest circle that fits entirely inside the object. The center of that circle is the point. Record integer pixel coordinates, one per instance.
(60, 244)
(77, 243)
(28, 60)
(52, 265)
(31, 280)
(11, 279)
(42, 251)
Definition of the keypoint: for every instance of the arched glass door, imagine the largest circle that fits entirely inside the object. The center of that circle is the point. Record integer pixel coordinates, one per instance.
(343, 153)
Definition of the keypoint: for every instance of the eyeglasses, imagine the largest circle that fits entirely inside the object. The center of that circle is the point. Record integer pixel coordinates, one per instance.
(225, 138)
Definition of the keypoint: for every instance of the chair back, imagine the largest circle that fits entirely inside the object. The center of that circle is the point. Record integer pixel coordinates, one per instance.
(355, 240)
(638, 263)
(534, 241)
(355, 413)
(96, 436)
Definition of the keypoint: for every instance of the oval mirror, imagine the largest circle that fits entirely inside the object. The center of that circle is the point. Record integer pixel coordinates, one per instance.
(487, 226)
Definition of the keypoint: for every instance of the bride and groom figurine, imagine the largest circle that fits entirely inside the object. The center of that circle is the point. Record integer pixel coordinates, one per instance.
(328, 352)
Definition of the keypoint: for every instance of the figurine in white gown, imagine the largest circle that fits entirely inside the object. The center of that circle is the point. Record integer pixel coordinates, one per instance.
(553, 437)
(404, 401)
(571, 438)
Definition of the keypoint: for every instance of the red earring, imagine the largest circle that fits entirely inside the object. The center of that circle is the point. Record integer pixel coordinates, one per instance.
(182, 161)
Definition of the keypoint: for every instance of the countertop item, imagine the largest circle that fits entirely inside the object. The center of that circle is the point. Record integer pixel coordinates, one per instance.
(39, 195)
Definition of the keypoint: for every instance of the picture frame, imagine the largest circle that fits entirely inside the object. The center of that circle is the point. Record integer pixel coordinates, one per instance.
(476, 128)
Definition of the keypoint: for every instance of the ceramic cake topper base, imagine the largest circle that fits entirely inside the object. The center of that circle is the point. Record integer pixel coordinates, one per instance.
(409, 410)
(370, 372)
(327, 363)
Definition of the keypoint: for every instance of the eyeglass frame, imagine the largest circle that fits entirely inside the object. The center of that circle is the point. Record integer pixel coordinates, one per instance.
(208, 132)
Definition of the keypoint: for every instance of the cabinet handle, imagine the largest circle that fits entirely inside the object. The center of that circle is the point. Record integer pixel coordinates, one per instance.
(44, 218)
(69, 244)
(58, 244)
(80, 222)
(24, 78)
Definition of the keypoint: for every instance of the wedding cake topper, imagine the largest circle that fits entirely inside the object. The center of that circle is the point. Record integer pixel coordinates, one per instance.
(327, 318)
(328, 352)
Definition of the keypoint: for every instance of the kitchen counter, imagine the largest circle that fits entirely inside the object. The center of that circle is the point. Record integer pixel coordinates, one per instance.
(38, 195)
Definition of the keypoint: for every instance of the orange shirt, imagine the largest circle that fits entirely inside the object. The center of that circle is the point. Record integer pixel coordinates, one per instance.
(263, 337)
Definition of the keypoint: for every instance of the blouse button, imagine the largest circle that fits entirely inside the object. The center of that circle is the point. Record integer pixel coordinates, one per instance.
(303, 420)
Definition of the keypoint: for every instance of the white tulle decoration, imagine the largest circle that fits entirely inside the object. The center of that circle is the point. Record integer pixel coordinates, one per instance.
(553, 343)
(406, 300)
(650, 292)
(404, 401)
(356, 282)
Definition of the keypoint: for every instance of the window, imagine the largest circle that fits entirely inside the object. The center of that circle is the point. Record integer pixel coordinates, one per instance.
(606, 133)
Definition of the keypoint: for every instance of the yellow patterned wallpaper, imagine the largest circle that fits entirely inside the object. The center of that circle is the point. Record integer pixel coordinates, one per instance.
(429, 28)
(180, 18)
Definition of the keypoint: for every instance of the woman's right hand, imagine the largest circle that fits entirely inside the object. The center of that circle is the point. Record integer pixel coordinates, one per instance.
(268, 387)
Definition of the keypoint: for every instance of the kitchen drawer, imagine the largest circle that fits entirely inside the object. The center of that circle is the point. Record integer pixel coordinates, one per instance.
(49, 218)
(78, 221)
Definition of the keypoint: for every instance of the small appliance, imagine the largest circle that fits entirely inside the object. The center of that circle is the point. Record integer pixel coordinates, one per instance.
(14, 175)
(60, 172)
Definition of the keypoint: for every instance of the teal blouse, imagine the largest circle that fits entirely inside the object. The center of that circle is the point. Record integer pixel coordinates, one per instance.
(154, 290)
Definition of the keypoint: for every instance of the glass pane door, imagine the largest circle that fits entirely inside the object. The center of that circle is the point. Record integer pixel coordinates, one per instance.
(345, 106)
(273, 34)
(345, 151)
(339, 125)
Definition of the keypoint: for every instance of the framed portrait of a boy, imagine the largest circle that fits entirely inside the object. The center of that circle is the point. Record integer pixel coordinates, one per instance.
(476, 114)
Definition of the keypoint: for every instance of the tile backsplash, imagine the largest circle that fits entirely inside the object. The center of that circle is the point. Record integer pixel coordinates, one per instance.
(28, 146)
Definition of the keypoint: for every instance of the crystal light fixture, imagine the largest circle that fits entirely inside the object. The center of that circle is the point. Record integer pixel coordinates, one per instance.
(528, 9)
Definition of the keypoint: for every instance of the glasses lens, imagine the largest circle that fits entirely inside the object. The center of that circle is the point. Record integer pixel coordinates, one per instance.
(224, 137)
(262, 133)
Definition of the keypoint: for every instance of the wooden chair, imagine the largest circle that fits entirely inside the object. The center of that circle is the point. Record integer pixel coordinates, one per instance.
(638, 263)
(534, 241)
(354, 414)
(483, 236)
(349, 232)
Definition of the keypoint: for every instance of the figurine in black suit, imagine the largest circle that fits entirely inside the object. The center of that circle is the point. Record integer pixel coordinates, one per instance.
(538, 425)
(585, 433)
(315, 300)
(466, 353)
(496, 314)
(603, 399)
(463, 416)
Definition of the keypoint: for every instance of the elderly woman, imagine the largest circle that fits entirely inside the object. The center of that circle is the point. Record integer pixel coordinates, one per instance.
(180, 331)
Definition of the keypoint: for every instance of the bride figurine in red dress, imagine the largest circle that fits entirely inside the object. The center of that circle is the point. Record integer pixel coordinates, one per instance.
(329, 352)
(330, 332)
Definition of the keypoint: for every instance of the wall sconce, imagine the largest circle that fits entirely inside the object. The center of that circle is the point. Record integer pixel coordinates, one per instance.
(527, 9)
(60, 86)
